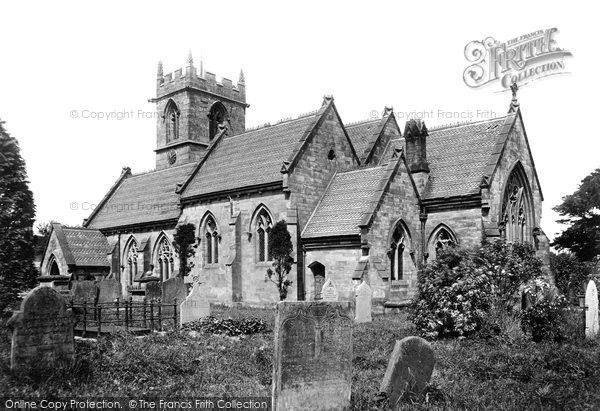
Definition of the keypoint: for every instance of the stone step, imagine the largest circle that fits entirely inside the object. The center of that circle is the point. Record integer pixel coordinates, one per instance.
(395, 306)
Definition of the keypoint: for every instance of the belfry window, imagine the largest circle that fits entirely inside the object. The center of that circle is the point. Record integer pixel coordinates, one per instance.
(165, 259)
(516, 217)
(217, 117)
(211, 248)
(263, 229)
(171, 118)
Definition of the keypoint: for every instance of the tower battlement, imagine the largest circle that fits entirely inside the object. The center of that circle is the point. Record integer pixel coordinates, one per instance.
(189, 77)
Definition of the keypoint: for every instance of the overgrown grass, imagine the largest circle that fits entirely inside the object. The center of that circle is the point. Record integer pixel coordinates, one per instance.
(491, 374)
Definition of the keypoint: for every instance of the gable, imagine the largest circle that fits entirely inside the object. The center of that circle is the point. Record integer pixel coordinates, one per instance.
(249, 159)
(371, 138)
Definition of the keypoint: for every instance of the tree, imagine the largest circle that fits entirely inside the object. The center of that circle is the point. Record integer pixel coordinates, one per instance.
(570, 274)
(582, 212)
(281, 247)
(17, 214)
(184, 241)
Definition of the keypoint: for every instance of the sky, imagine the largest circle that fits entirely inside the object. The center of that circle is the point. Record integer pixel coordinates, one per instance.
(64, 65)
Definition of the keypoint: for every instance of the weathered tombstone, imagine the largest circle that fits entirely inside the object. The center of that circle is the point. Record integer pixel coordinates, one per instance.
(42, 329)
(409, 369)
(153, 290)
(328, 292)
(195, 306)
(174, 290)
(363, 303)
(108, 291)
(312, 367)
(84, 292)
(591, 310)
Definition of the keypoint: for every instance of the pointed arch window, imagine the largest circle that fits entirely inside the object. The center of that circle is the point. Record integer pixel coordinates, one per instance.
(263, 225)
(516, 218)
(398, 252)
(53, 266)
(171, 117)
(217, 117)
(211, 247)
(132, 262)
(441, 238)
(164, 259)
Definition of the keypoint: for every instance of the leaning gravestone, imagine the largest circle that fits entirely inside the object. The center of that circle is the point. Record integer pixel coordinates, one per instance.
(108, 291)
(153, 290)
(409, 369)
(363, 303)
(84, 292)
(312, 367)
(591, 312)
(195, 306)
(42, 329)
(328, 292)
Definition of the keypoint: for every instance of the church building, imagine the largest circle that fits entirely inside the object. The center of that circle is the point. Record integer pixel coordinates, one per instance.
(371, 201)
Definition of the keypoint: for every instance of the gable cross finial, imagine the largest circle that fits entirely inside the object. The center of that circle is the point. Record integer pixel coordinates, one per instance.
(514, 87)
(190, 59)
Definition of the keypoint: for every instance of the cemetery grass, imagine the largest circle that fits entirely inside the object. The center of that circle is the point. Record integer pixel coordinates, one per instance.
(470, 373)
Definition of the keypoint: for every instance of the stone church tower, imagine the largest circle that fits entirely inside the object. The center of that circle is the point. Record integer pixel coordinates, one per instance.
(191, 109)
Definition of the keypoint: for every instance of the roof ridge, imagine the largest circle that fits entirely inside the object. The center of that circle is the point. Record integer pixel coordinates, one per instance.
(283, 121)
(142, 173)
(360, 170)
(464, 123)
(359, 122)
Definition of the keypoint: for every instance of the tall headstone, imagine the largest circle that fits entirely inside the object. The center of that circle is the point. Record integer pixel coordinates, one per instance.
(153, 290)
(409, 369)
(195, 306)
(591, 310)
(174, 290)
(108, 291)
(312, 367)
(84, 292)
(329, 292)
(363, 303)
(42, 329)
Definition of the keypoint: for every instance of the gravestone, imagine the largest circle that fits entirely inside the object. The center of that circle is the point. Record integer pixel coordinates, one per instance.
(409, 369)
(108, 291)
(328, 292)
(173, 290)
(42, 330)
(363, 303)
(591, 310)
(84, 292)
(195, 306)
(312, 367)
(153, 290)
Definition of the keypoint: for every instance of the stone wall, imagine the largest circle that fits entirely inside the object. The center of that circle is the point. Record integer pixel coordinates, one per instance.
(255, 287)
(339, 263)
(400, 202)
(465, 224)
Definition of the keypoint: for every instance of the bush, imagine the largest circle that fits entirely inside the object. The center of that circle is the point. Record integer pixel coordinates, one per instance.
(458, 292)
(544, 318)
(453, 296)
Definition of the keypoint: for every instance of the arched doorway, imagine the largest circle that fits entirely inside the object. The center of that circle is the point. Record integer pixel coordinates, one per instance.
(318, 271)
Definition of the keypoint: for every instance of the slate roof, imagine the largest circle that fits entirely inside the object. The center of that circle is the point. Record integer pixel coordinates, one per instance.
(360, 134)
(143, 198)
(458, 156)
(252, 158)
(341, 208)
(88, 247)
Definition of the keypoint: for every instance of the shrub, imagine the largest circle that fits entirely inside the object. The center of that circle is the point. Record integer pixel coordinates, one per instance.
(544, 317)
(453, 295)
(458, 292)
(280, 247)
